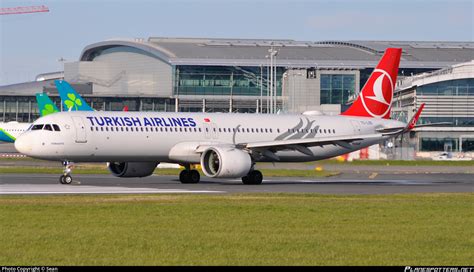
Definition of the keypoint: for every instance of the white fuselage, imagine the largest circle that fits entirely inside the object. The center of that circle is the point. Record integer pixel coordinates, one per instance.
(11, 130)
(173, 137)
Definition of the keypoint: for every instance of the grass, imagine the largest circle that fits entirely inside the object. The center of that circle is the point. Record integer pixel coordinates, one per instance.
(251, 229)
(94, 169)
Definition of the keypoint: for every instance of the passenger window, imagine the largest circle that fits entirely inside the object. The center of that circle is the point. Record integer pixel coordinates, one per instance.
(56, 127)
(270, 130)
(37, 127)
(48, 127)
(96, 128)
(92, 129)
(101, 128)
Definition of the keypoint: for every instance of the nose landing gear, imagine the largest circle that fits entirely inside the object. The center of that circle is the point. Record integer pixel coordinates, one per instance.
(66, 177)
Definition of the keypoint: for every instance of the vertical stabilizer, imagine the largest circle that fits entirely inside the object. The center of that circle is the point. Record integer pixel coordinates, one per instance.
(375, 99)
(45, 105)
(71, 100)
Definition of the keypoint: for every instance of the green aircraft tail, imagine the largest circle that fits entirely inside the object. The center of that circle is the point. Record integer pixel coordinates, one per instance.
(45, 105)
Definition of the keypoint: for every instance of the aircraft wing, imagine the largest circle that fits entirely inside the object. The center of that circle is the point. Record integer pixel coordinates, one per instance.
(343, 141)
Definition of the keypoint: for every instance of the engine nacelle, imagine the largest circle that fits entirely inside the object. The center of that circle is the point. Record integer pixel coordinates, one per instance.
(132, 169)
(225, 162)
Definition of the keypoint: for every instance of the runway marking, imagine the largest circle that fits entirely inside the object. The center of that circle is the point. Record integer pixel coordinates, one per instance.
(356, 181)
(46, 189)
(373, 175)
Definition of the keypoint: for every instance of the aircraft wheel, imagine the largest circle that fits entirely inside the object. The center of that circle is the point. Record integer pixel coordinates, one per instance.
(254, 177)
(194, 176)
(61, 179)
(184, 176)
(67, 179)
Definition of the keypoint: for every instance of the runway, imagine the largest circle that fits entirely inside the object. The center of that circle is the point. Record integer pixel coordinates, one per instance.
(14, 184)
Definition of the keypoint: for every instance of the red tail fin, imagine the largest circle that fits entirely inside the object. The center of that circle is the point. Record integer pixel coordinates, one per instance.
(376, 96)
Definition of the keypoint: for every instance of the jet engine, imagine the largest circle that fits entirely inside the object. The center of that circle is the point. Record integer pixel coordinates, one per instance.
(132, 169)
(225, 162)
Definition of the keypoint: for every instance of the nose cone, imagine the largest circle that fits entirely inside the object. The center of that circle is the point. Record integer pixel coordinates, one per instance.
(24, 144)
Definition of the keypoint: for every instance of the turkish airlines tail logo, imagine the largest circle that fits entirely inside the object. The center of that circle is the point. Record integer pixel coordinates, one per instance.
(375, 99)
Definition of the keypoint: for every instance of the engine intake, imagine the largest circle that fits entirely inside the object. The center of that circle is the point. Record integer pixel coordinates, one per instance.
(225, 162)
(132, 169)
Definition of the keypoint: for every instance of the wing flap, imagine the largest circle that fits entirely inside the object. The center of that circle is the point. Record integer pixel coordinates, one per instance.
(301, 144)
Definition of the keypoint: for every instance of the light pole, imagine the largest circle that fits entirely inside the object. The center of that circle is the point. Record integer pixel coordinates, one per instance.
(266, 80)
(273, 54)
(275, 82)
(261, 89)
(62, 61)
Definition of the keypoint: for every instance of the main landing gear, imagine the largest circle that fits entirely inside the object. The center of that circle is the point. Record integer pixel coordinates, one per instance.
(66, 177)
(254, 177)
(189, 175)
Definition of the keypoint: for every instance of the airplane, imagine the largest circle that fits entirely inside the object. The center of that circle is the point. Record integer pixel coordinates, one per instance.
(70, 98)
(226, 145)
(10, 131)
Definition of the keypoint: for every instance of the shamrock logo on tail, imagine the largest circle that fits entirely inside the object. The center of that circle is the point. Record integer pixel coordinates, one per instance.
(48, 109)
(72, 101)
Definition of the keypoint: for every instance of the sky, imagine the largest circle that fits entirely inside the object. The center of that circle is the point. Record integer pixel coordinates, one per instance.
(31, 44)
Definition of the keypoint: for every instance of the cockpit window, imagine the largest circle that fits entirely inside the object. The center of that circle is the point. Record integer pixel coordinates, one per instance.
(56, 127)
(48, 127)
(37, 127)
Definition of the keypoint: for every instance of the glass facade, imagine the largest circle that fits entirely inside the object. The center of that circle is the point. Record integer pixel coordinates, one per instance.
(224, 80)
(19, 108)
(468, 145)
(447, 144)
(337, 88)
(456, 87)
(439, 144)
(453, 121)
(25, 109)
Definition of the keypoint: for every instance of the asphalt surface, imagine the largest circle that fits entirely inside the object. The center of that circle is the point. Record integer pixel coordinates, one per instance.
(346, 183)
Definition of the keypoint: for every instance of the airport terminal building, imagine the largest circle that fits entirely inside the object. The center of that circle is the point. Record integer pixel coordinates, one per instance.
(238, 75)
(448, 95)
